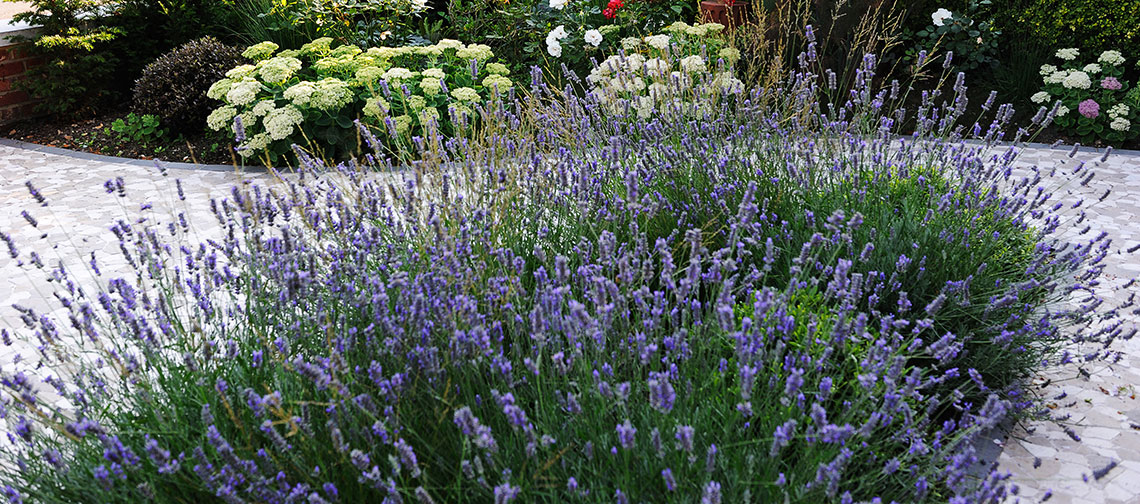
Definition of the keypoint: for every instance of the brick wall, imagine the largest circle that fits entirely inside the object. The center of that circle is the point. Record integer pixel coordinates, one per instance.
(15, 60)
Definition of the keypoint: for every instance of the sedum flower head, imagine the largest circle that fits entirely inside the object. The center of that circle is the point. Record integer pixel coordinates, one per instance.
(693, 64)
(341, 64)
(279, 69)
(397, 74)
(1091, 68)
(241, 72)
(1118, 110)
(331, 94)
(428, 114)
(318, 47)
(264, 107)
(1056, 77)
(403, 123)
(415, 102)
(696, 30)
(255, 143)
(345, 50)
(435, 73)
(1047, 70)
(369, 74)
(377, 107)
(657, 41)
(219, 89)
(431, 86)
(221, 117)
(450, 44)
(300, 93)
(499, 82)
(465, 94)
(495, 68)
(431, 50)
(243, 93)
(1120, 124)
(260, 51)
(677, 27)
(729, 54)
(280, 123)
(1040, 97)
(630, 43)
(711, 28)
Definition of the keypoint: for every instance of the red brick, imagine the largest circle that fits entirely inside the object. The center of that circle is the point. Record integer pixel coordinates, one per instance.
(14, 98)
(9, 69)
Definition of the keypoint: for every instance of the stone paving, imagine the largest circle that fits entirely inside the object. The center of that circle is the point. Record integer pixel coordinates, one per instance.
(1047, 463)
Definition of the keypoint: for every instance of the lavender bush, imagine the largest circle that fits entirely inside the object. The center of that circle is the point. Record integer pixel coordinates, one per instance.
(774, 301)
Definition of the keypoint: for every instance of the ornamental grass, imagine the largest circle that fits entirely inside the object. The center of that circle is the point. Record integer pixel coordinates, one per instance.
(768, 301)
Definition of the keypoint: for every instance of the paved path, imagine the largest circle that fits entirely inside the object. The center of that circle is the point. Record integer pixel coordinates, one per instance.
(1104, 406)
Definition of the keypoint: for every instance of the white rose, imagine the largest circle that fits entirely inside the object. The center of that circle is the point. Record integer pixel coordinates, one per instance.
(554, 48)
(940, 16)
(557, 4)
(1040, 97)
(558, 33)
(593, 37)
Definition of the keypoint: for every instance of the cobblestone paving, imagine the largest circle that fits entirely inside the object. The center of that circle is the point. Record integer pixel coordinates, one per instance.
(1043, 457)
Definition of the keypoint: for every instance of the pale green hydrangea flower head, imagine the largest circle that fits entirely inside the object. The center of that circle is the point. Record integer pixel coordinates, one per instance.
(415, 102)
(659, 42)
(264, 107)
(289, 53)
(1111, 58)
(428, 114)
(729, 54)
(630, 43)
(260, 51)
(677, 27)
(342, 64)
(345, 50)
(431, 51)
(254, 144)
(369, 74)
(397, 74)
(450, 44)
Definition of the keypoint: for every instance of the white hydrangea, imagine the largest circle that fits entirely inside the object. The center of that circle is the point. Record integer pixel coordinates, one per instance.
(221, 117)
(1068, 54)
(644, 106)
(450, 44)
(280, 123)
(727, 83)
(693, 64)
(435, 73)
(1040, 97)
(1047, 70)
(376, 107)
(1118, 110)
(1062, 110)
(557, 4)
(634, 62)
(630, 43)
(1077, 80)
(255, 143)
(1111, 58)
(499, 82)
(415, 102)
(1056, 77)
(1091, 68)
(300, 93)
(260, 51)
(593, 37)
(1120, 124)
(696, 31)
(498, 69)
(657, 41)
(243, 93)
(677, 27)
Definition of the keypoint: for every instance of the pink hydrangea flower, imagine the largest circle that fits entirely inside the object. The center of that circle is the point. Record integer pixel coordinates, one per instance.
(1110, 83)
(1089, 108)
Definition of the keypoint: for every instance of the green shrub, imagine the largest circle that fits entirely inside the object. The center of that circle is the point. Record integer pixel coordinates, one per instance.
(1091, 25)
(174, 86)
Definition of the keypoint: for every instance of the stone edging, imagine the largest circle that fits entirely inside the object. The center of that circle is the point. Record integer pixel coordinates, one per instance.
(145, 163)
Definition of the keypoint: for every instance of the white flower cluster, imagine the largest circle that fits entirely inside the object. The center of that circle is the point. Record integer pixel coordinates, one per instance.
(1068, 54)
(1111, 57)
(1057, 77)
(554, 41)
(1040, 97)
(279, 123)
(1118, 110)
(1091, 68)
(1119, 115)
(1077, 80)
(1047, 70)
(660, 85)
(1120, 124)
(593, 37)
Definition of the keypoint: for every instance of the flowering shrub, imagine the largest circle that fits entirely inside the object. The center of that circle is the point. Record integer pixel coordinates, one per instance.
(686, 70)
(796, 311)
(965, 33)
(316, 93)
(356, 22)
(1090, 98)
(579, 30)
